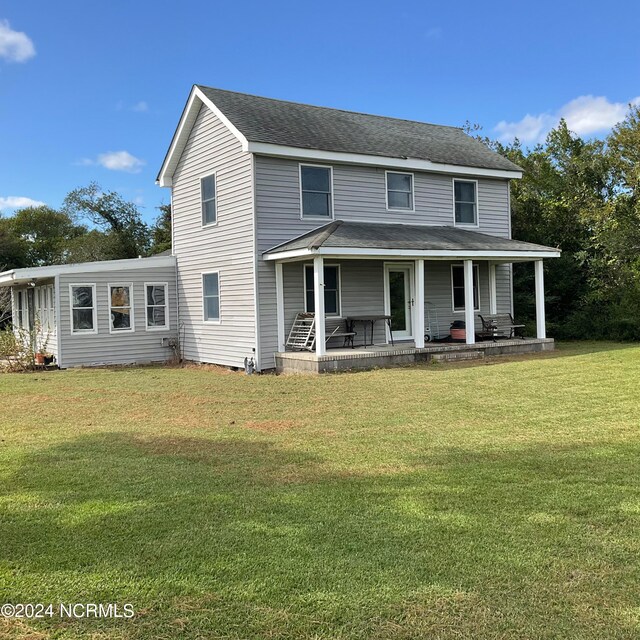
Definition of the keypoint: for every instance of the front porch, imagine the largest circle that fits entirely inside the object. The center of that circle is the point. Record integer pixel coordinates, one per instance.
(406, 353)
(416, 281)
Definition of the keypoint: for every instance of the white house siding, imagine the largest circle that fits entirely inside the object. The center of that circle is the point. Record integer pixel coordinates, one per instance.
(226, 247)
(138, 346)
(359, 194)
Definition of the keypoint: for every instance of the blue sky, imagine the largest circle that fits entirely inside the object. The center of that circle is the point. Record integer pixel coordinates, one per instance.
(93, 91)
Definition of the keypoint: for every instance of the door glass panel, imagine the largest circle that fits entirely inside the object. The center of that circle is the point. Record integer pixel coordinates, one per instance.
(398, 303)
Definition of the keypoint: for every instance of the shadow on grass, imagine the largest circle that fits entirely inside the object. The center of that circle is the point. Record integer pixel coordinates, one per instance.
(238, 538)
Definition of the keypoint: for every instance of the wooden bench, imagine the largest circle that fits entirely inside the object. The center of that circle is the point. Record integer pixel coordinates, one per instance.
(499, 325)
(303, 332)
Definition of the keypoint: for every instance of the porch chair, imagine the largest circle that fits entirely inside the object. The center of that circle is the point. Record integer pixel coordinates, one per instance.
(499, 325)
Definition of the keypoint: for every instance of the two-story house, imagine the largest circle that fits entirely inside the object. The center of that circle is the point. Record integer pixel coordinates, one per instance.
(389, 229)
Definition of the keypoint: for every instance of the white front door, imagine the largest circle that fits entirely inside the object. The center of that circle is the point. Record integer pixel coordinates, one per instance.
(399, 299)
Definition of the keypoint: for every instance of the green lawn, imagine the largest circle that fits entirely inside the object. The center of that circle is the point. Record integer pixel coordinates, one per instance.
(494, 500)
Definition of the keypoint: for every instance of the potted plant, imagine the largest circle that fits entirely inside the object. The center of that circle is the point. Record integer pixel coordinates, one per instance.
(458, 330)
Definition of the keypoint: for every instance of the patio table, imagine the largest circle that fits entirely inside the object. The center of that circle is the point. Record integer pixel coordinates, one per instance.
(368, 320)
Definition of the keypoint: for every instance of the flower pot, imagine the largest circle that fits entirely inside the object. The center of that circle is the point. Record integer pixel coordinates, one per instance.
(40, 357)
(458, 330)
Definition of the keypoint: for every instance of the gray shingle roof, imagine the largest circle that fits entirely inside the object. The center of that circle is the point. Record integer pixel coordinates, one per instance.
(308, 127)
(366, 235)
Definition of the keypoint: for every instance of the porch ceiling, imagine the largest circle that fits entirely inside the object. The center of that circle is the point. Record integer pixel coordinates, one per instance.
(362, 239)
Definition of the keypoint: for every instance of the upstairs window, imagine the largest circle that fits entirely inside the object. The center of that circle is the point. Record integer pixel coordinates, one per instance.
(211, 297)
(315, 185)
(331, 290)
(466, 202)
(156, 302)
(83, 308)
(120, 308)
(457, 287)
(399, 191)
(208, 196)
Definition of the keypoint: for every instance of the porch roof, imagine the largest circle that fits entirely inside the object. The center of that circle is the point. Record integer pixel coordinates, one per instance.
(365, 239)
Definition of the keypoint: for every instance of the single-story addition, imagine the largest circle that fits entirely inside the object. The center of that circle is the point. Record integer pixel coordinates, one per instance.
(98, 313)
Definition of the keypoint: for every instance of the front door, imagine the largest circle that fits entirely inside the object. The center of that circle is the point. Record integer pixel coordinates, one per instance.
(399, 299)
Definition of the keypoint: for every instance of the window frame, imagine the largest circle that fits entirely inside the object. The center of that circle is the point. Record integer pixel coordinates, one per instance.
(204, 318)
(80, 332)
(477, 203)
(132, 328)
(167, 320)
(476, 279)
(412, 192)
(213, 175)
(337, 265)
(331, 202)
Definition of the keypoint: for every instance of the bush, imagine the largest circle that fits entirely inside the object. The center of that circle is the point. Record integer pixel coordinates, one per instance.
(17, 349)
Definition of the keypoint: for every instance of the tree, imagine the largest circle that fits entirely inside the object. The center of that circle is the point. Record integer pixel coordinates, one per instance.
(13, 248)
(114, 215)
(161, 230)
(46, 234)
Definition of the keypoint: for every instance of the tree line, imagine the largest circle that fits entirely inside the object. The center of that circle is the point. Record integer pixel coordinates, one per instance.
(92, 224)
(582, 196)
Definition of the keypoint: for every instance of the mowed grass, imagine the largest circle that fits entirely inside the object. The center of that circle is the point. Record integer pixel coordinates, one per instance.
(494, 500)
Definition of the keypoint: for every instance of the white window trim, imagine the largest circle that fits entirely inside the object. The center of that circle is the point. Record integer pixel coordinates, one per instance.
(80, 332)
(304, 287)
(167, 318)
(204, 319)
(413, 191)
(453, 196)
(203, 224)
(132, 328)
(476, 275)
(321, 166)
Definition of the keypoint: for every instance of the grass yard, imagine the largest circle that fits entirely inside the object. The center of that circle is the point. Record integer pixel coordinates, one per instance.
(493, 500)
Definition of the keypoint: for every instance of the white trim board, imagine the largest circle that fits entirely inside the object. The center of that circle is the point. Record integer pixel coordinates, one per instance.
(350, 252)
(196, 100)
(16, 276)
(405, 164)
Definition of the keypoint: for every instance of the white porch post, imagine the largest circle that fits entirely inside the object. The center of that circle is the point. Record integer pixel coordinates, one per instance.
(540, 323)
(419, 314)
(470, 325)
(493, 292)
(318, 296)
(280, 306)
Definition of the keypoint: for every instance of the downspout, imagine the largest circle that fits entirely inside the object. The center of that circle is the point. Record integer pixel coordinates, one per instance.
(256, 257)
(56, 289)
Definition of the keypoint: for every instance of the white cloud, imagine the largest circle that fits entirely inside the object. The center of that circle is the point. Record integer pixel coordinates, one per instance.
(18, 202)
(584, 115)
(139, 107)
(15, 46)
(115, 161)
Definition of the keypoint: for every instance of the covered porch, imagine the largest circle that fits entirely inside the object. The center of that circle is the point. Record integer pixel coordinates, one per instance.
(409, 277)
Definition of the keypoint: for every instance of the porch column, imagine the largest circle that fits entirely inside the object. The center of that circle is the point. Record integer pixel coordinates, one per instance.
(493, 291)
(540, 323)
(419, 314)
(280, 306)
(470, 325)
(318, 297)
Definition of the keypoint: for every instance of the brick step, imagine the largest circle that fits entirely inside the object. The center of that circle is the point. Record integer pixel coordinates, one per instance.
(451, 356)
